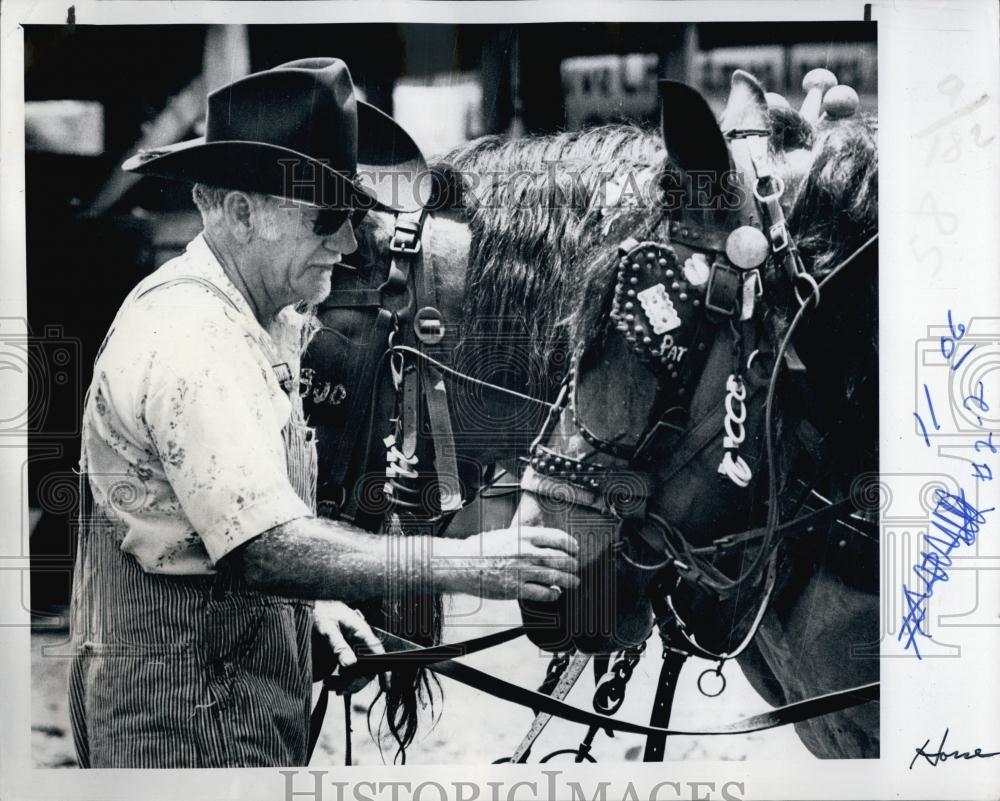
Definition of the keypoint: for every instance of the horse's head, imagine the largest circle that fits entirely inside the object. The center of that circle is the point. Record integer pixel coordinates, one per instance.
(657, 448)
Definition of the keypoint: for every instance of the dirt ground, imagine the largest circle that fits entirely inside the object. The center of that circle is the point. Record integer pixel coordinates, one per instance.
(470, 727)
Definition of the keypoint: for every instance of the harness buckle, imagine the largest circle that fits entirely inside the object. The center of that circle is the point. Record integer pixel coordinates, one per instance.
(406, 238)
(721, 294)
(779, 236)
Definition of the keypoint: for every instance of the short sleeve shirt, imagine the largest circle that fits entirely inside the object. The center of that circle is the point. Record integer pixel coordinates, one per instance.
(182, 428)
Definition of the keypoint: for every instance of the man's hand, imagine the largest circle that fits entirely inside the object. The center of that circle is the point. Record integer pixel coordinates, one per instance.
(344, 629)
(527, 563)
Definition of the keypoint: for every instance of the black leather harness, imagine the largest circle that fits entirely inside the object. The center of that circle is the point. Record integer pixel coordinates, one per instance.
(407, 301)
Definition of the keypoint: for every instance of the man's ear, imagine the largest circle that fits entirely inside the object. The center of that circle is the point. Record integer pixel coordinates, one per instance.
(241, 215)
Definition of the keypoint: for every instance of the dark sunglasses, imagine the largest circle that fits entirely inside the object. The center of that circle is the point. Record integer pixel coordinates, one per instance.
(329, 221)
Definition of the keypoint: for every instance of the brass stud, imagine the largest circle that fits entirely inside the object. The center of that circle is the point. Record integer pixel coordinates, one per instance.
(683, 296)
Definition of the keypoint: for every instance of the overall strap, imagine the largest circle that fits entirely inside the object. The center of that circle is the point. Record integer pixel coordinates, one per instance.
(190, 279)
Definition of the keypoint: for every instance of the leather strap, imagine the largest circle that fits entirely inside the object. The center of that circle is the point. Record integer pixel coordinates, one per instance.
(408, 653)
(433, 659)
(436, 396)
(445, 459)
(804, 524)
(663, 702)
(359, 402)
(316, 720)
(405, 250)
(352, 299)
(781, 716)
(402, 651)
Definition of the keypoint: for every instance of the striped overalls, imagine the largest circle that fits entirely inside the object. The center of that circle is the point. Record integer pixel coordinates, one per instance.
(177, 671)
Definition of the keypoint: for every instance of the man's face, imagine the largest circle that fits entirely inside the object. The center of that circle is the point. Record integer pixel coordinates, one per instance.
(296, 262)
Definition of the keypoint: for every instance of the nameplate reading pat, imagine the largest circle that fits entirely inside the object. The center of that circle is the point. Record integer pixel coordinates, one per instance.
(659, 309)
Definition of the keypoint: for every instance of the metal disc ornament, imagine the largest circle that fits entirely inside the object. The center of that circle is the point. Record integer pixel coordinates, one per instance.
(747, 247)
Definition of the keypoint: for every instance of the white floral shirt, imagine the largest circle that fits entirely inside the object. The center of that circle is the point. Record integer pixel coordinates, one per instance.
(182, 429)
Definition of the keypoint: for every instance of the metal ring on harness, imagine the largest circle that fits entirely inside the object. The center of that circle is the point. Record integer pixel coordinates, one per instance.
(814, 289)
(778, 191)
(712, 672)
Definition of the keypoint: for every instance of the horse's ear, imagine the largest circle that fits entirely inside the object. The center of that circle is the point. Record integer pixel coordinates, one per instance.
(691, 133)
(746, 108)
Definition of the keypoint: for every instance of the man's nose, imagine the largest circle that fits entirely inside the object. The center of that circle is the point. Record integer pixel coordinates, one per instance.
(343, 241)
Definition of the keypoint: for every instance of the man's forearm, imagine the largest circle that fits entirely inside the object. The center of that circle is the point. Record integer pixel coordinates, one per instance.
(319, 559)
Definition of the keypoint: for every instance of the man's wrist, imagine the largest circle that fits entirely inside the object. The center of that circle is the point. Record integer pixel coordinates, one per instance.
(452, 564)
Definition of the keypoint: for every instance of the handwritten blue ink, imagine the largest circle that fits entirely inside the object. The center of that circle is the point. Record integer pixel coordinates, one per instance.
(979, 398)
(949, 345)
(988, 442)
(957, 523)
(934, 420)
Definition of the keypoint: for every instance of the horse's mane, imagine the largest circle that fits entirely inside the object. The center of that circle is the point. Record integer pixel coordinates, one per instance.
(837, 207)
(528, 202)
(835, 213)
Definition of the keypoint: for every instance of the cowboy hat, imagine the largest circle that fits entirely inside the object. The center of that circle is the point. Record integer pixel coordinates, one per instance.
(297, 131)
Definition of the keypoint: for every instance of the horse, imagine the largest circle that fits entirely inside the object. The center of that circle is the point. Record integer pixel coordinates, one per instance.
(661, 439)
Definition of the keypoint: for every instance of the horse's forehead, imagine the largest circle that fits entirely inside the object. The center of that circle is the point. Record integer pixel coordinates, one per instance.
(450, 239)
(794, 166)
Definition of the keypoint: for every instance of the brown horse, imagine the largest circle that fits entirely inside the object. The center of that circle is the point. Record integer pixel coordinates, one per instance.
(540, 254)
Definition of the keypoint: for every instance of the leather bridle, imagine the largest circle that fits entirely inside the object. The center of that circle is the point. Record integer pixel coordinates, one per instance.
(582, 481)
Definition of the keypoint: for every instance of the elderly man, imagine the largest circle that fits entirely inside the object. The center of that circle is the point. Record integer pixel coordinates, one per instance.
(199, 552)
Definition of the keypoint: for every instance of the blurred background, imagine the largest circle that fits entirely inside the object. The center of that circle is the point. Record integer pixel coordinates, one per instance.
(94, 95)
